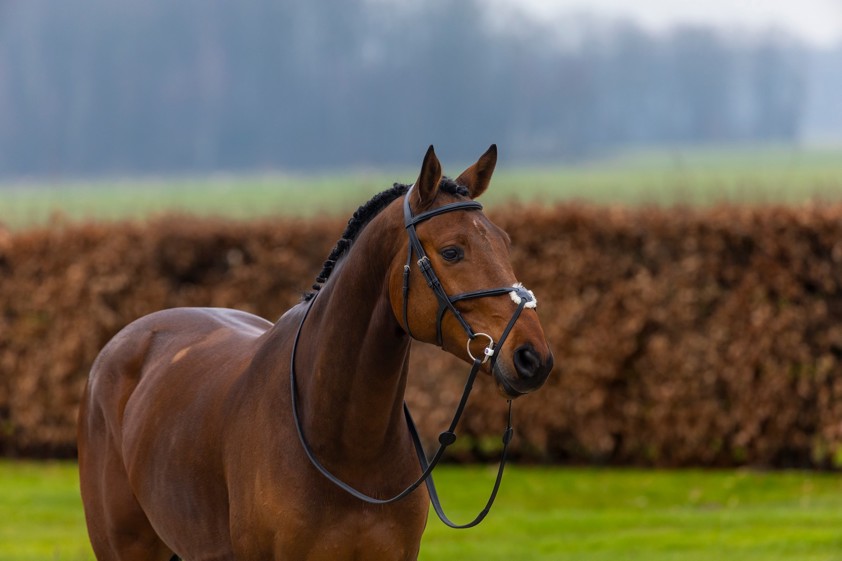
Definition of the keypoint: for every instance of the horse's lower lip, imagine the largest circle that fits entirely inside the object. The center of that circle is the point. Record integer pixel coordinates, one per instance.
(505, 385)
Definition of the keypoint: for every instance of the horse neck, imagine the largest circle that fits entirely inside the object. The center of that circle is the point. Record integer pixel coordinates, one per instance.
(353, 357)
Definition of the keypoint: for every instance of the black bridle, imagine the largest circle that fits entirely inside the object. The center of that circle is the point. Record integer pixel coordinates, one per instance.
(446, 302)
(519, 294)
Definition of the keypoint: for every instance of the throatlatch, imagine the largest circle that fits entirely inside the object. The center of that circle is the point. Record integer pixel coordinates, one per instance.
(522, 297)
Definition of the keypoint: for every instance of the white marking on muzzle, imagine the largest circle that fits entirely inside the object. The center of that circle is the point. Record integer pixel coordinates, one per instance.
(516, 299)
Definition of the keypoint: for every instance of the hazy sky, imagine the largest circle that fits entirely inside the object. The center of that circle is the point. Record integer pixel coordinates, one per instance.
(816, 21)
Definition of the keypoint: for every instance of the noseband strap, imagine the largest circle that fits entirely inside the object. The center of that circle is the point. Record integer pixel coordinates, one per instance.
(520, 295)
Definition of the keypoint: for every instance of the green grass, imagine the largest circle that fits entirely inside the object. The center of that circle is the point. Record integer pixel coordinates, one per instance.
(690, 176)
(41, 514)
(245, 197)
(540, 514)
(685, 176)
(547, 514)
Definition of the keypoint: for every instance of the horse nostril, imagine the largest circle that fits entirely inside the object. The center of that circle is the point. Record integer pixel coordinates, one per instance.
(527, 361)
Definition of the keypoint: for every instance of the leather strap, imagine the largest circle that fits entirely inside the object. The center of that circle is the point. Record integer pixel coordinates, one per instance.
(461, 205)
(447, 437)
(431, 486)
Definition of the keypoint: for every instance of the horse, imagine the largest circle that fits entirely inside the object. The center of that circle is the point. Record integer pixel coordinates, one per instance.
(193, 444)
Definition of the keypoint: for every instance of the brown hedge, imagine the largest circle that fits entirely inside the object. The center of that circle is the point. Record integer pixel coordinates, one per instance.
(682, 336)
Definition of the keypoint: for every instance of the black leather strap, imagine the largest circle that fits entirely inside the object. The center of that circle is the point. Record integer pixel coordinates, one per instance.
(447, 437)
(461, 205)
(424, 264)
(431, 485)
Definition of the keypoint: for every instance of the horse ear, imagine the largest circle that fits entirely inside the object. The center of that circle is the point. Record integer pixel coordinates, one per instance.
(477, 177)
(427, 185)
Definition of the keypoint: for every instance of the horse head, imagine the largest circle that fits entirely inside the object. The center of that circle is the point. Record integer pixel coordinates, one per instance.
(454, 285)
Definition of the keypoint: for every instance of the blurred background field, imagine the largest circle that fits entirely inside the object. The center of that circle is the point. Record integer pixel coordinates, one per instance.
(683, 176)
(542, 515)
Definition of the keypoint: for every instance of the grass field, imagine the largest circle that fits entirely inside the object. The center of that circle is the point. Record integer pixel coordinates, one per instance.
(699, 176)
(540, 514)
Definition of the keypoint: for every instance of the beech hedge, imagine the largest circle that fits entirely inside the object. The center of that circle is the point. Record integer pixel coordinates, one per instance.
(682, 336)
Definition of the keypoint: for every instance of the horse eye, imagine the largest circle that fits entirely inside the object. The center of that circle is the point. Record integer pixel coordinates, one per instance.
(452, 254)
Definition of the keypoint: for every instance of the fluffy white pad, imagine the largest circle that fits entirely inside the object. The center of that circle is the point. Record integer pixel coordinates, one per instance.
(516, 299)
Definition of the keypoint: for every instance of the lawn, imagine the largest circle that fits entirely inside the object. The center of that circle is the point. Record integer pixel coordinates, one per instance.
(595, 515)
(540, 514)
(690, 176)
(41, 514)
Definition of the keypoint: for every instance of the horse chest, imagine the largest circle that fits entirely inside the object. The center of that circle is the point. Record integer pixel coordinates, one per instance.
(307, 519)
(371, 535)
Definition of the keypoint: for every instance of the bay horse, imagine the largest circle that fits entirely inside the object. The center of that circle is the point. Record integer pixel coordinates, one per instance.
(213, 434)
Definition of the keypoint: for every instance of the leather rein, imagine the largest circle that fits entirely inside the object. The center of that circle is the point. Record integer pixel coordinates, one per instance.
(520, 296)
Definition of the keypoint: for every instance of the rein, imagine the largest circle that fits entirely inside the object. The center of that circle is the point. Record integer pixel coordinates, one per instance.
(521, 296)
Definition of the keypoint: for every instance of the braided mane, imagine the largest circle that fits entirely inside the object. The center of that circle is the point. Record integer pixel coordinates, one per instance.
(363, 216)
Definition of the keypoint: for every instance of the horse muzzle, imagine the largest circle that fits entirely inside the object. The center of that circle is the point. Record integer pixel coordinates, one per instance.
(526, 372)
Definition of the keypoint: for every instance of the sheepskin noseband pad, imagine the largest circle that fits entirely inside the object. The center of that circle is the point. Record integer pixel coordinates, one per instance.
(520, 292)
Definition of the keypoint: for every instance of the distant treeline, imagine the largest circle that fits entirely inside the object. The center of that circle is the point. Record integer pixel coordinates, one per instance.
(97, 86)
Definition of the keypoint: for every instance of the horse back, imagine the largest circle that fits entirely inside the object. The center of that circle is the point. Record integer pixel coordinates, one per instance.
(155, 344)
